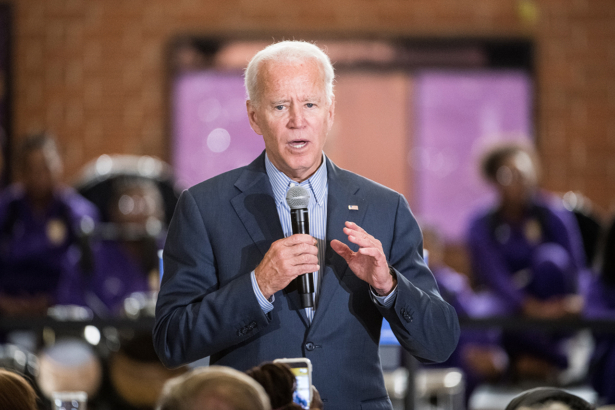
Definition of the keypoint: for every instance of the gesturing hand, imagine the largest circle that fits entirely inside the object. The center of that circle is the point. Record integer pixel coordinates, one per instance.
(369, 262)
(285, 260)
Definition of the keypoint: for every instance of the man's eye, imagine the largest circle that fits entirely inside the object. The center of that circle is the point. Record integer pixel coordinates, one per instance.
(309, 105)
(279, 107)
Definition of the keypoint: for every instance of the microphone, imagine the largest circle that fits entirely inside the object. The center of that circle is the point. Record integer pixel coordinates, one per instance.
(298, 199)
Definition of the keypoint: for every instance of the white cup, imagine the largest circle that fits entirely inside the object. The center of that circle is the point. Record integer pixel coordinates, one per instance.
(70, 400)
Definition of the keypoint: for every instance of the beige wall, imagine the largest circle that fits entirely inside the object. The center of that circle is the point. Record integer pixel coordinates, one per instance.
(93, 72)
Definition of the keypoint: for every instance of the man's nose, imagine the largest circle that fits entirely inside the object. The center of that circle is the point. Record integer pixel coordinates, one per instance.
(296, 118)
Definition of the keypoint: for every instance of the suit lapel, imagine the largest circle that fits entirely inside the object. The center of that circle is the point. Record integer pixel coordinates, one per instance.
(255, 206)
(343, 194)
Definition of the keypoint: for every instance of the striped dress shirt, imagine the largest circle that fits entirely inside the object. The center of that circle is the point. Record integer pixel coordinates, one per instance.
(318, 187)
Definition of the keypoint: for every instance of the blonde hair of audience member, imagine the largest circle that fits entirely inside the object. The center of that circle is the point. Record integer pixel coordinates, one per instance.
(213, 388)
(15, 392)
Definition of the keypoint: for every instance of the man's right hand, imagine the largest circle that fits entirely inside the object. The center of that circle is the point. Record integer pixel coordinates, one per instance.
(285, 260)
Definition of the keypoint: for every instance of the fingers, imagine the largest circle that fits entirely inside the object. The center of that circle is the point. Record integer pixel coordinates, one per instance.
(342, 249)
(359, 236)
(285, 260)
(299, 238)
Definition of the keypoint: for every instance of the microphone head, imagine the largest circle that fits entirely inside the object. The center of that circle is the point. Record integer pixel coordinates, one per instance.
(298, 197)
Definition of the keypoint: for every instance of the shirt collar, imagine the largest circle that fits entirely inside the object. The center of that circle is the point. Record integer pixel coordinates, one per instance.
(280, 182)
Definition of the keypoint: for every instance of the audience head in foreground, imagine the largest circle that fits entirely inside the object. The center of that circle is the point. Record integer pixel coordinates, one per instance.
(213, 388)
(15, 392)
(548, 398)
(278, 381)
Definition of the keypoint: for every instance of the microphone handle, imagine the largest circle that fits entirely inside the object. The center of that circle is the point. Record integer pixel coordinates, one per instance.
(300, 223)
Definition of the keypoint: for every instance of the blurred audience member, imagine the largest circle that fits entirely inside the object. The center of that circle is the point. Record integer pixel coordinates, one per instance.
(213, 388)
(479, 353)
(124, 251)
(279, 382)
(39, 220)
(589, 221)
(528, 251)
(15, 392)
(548, 398)
(600, 297)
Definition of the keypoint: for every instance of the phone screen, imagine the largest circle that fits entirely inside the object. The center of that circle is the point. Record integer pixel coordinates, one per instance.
(302, 393)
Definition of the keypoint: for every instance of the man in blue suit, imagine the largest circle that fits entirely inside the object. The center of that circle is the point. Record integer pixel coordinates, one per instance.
(230, 256)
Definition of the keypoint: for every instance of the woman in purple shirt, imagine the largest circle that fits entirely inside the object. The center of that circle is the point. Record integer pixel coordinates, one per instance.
(528, 251)
(40, 219)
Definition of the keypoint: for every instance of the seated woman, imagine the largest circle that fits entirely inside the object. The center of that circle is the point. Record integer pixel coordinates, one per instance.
(600, 297)
(123, 251)
(527, 250)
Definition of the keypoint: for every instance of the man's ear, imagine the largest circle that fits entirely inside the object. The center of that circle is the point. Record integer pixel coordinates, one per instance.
(253, 117)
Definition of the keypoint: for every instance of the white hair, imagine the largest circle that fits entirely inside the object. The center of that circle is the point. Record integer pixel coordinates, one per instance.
(234, 388)
(287, 51)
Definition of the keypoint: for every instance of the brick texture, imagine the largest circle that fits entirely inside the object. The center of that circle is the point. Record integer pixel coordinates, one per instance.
(93, 72)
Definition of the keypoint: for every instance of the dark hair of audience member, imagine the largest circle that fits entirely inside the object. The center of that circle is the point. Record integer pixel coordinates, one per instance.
(278, 381)
(606, 256)
(15, 392)
(207, 387)
(544, 397)
(493, 159)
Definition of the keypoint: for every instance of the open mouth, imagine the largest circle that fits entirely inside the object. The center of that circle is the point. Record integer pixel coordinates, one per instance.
(298, 144)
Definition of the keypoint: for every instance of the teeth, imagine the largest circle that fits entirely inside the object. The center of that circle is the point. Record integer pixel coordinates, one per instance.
(298, 145)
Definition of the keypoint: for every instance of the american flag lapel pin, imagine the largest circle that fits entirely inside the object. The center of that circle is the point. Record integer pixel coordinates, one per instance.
(353, 207)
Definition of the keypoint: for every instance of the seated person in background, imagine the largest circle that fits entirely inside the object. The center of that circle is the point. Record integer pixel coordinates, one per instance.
(527, 250)
(548, 398)
(600, 304)
(479, 353)
(124, 251)
(15, 392)
(279, 382)
(39, 220)
(214, 387)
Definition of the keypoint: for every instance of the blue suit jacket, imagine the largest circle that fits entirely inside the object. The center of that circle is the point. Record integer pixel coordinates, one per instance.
(220, 232)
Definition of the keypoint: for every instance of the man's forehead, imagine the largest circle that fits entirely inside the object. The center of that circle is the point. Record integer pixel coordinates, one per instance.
(279, 77)
(288, 70)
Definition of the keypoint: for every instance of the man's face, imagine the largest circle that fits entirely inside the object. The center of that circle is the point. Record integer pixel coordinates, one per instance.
(293, 116)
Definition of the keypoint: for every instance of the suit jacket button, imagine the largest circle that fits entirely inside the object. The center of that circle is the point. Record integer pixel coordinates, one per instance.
(309, 346)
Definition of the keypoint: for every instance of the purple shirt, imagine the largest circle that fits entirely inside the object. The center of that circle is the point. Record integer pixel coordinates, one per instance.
(599, 300)
(34, 246)
(499, 250)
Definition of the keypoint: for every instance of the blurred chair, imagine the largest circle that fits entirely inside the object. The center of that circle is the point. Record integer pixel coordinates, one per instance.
(96, 179)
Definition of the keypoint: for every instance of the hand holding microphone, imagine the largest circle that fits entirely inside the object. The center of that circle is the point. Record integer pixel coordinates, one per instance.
(288, 258)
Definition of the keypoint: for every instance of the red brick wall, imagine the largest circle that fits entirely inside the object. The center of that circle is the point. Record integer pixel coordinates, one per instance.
(93, 72)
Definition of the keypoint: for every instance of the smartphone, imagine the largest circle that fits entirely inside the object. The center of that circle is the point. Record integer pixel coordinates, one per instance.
(302, 369)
